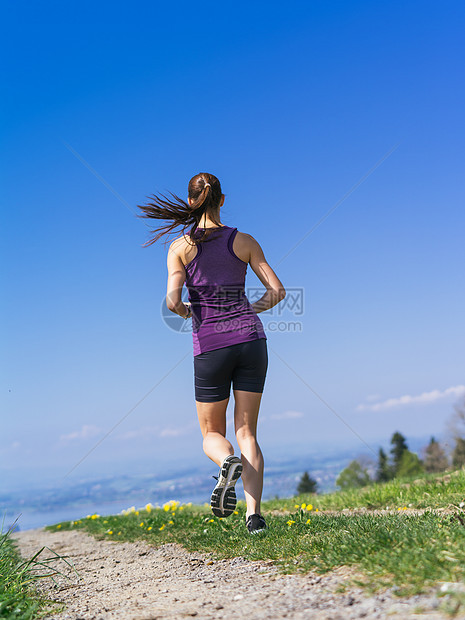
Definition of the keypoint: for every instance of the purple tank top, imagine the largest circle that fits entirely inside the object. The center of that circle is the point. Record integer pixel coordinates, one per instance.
(215, 279)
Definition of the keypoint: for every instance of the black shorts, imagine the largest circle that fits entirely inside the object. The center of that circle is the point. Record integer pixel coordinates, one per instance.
(244, 364)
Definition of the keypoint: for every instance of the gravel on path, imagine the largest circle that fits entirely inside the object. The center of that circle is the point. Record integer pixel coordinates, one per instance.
(137, 581)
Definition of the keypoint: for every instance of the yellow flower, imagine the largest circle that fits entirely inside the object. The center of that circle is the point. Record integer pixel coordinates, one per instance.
(309, 507)
(95, 517)
(119, 533)
(404, 508)
(308, 521)
(149, 528)
(236, 512)
(398, 508)
(296, 506)
(181, 507)
(58, 526)
(171, 505)
(170, 522)
(149, 508)
(142, 524)
(303, 506)
(162, 527)
(110, 531)
(290, 522)
(137, 512)
(316, 510)
(211, 520)
(105, 521)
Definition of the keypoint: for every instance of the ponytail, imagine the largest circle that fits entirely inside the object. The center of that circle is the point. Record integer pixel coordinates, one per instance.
(204, 191)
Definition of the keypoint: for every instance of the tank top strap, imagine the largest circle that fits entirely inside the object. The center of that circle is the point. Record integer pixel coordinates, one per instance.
(231, 237)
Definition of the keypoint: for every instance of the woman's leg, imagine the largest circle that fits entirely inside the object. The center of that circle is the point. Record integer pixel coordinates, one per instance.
(212, 419)
(247, 405)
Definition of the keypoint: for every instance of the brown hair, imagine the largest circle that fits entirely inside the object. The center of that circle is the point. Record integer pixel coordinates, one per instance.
(205, 192)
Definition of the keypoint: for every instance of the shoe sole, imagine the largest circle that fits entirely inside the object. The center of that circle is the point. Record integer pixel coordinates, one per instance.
(223, 500)
(260, 531)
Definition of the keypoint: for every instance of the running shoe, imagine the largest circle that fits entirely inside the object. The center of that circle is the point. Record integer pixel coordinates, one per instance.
(255, 524)
(223, 500)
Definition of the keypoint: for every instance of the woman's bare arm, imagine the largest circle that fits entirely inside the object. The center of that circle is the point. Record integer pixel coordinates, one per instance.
(275, 290)
(176, 279)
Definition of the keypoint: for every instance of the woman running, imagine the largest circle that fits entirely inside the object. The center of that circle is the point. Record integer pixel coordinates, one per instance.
(228, 336)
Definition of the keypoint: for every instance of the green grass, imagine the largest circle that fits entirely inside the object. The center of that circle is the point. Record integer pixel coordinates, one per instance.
(429, 491)
(411, 551)
(18, 598)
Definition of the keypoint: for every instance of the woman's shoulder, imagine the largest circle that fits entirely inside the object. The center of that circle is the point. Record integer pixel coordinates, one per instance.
(184, 248)
(246, 239)
(179, 243)
(242, 234)
(245, 246)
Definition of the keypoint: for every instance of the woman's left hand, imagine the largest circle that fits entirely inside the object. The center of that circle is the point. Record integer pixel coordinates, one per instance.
(189, 310)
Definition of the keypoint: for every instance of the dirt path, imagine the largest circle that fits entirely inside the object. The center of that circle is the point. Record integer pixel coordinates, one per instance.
(135, 581)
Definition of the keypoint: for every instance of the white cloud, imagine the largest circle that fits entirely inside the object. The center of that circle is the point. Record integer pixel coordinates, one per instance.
(424, 399)
(86, 432)
(154, 432)
(287, 415)
(145, 432)
(175, 432)
(171, 432)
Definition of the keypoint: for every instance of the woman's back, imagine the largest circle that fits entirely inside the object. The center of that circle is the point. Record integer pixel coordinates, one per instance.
(215, 278)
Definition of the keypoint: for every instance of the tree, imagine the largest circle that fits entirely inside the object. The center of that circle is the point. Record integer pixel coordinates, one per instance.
(367, 462)
(458, 455)
(434, 457)
(399, 445)
(456, 427)
(307, 484)
(383, 472)
(409, 465)
(353, 476)
(456, 423)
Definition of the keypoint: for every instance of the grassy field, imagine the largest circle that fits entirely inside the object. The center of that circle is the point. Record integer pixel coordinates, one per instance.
(401, 547)
(429, 491)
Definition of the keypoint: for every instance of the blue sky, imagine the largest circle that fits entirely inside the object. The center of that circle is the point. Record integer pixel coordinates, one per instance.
(291, 107)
